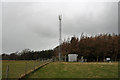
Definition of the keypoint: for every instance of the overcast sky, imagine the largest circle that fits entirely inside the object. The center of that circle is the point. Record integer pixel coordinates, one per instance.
(35, 25)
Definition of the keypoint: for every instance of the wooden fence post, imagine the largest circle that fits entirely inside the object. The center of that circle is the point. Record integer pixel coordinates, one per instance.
(34, 65)
(7, 71)
(25, 68)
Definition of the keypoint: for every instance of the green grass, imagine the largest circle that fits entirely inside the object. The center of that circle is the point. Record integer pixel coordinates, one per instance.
(76, 70)
(17, 68)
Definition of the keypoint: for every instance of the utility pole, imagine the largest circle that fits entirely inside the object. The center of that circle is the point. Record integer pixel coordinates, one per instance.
(60, 18)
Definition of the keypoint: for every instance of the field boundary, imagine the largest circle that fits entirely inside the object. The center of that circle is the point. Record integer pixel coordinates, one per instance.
(37, 67)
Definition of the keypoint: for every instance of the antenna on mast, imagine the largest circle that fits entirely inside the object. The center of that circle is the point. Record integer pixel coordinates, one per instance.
(60, 18)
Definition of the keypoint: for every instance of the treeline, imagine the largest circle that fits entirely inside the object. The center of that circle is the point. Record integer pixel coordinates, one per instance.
(28, 54)
(94, 48)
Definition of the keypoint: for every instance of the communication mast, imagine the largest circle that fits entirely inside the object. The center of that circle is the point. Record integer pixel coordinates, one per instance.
(60, 40)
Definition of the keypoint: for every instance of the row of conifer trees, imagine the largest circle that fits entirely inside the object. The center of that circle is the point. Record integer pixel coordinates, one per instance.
(93, 48)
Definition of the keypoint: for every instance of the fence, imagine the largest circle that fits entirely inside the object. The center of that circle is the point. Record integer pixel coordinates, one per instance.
(19, 68)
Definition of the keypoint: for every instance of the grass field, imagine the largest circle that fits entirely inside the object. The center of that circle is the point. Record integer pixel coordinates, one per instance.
(17, 68)
(76, 70)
